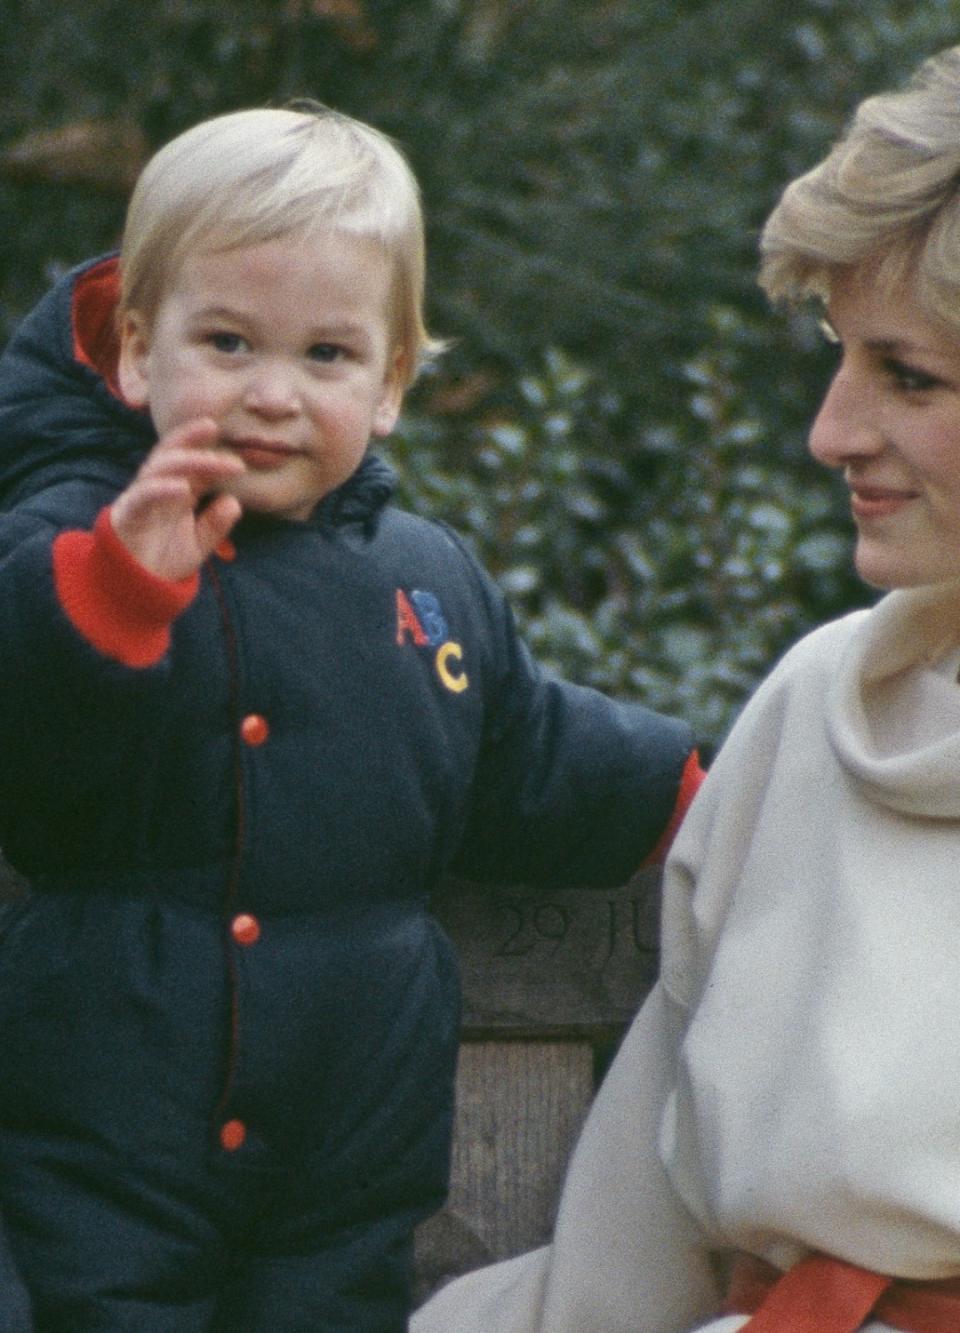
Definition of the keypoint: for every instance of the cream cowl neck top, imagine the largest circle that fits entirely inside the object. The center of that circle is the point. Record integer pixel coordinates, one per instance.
(793, 1082)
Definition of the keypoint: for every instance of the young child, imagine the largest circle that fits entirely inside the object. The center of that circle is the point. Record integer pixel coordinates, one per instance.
(251, 714)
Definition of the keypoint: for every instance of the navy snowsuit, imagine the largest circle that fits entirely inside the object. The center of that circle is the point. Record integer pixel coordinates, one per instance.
(228, 1021)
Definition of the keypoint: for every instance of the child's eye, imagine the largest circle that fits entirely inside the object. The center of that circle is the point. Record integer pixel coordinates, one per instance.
(325, 353)
(907, 378)
(221, 341)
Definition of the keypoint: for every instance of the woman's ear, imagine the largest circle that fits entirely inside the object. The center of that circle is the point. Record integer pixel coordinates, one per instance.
(394, 383)
(133, 367)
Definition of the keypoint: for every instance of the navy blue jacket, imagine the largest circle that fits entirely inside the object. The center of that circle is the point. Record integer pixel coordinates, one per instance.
(233, 847)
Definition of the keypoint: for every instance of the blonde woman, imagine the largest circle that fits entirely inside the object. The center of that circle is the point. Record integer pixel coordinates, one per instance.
(777, 1147)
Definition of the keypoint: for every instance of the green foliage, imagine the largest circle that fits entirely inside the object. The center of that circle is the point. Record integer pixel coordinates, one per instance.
(680, 594)
(627, 450)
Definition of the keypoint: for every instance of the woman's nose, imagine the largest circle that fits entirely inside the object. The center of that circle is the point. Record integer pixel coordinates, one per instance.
(846, 426)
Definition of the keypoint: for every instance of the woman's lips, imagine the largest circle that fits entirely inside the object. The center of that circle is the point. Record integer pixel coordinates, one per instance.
(878, 501)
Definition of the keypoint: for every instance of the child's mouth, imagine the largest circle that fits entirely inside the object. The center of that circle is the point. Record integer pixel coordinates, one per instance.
(261, 455)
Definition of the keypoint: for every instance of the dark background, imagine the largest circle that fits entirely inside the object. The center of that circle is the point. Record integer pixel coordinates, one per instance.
(620, 424)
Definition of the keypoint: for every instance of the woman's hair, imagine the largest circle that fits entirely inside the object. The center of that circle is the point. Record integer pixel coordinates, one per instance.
(887, 194)
(254, 176)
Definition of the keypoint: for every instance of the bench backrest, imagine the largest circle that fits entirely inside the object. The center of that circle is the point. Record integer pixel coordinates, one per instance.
(550, 981)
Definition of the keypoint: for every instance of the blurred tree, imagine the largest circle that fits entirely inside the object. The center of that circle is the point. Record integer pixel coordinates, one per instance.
(620, 424)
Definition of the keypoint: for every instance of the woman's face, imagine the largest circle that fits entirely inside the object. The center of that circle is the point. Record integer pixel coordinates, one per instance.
(891, 421)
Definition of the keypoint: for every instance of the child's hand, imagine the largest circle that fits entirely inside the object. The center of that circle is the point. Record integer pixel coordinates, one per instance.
(157, 516)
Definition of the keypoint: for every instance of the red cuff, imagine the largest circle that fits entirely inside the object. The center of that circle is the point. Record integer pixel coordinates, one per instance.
(690, 780)
(118, 606)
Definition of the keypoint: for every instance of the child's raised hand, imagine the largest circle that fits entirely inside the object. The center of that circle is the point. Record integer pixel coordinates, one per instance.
(161, 518)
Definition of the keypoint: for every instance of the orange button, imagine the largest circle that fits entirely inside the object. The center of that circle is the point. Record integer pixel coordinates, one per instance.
(254, 729)
(232, 1135)
(245, 929)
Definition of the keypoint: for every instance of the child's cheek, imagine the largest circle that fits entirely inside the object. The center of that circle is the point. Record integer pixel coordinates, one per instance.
(197, 395)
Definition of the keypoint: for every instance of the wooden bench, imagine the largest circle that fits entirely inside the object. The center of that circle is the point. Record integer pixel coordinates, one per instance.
(551, 981)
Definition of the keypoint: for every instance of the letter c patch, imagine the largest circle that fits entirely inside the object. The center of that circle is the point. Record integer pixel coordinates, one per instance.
(455, 681)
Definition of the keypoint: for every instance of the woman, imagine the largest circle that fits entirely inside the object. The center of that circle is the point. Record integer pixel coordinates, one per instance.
(777, 1146)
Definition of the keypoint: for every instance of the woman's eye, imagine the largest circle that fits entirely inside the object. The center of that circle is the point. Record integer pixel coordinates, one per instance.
(909, 379)
(325, 353)
(221, 341)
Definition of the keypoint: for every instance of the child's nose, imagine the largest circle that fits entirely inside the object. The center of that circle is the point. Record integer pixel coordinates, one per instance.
(272, 390)
(847, 425)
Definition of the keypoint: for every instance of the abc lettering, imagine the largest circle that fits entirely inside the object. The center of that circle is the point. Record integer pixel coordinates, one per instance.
(420, 618)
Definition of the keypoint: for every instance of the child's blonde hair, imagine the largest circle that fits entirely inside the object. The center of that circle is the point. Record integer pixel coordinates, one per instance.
(888, 194)
(253, 176)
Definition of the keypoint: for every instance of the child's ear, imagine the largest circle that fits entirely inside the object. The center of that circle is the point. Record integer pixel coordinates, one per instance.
(395, 380)
(133, 373)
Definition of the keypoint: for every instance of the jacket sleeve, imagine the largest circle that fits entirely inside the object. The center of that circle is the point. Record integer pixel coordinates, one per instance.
(572, 787)
(83, 648)
(117, 606)
(74, 601)
(626, 1256)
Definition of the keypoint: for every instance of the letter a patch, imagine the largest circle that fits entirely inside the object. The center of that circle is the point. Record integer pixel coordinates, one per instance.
(407, 622)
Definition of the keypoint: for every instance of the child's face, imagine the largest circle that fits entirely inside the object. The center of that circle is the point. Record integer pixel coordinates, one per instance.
(287, 346)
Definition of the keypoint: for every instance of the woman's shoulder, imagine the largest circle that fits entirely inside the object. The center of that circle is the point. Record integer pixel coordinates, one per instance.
(788, 703)
(817, 652)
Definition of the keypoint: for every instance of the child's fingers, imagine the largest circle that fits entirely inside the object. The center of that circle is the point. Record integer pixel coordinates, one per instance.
(173, 512)
(202, 469)
(185, 454)
(190, 435)
(215, 521)
(186, 450)
(161, 491)
(148, 496)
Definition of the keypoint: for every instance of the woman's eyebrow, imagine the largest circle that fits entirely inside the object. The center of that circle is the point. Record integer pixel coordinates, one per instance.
(906, 348)
(881, 346)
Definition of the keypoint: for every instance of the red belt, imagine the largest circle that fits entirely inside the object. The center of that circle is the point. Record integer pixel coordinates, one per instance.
(825, 1295)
